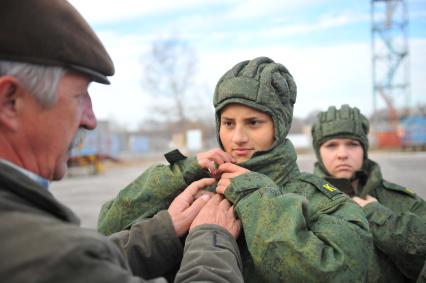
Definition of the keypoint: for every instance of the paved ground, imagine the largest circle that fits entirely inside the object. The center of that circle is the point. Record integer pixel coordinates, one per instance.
(85, 195)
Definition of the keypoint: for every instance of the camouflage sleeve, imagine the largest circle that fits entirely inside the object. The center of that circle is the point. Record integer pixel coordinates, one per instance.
(290, 240)
(402, 236)
(151, 246)
(211, 255)
(151, 192)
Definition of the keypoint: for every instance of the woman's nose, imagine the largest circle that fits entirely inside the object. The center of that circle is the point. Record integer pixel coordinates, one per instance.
(342, 152)
(239, 136)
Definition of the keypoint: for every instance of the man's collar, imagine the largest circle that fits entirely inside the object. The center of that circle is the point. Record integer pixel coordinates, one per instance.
(36, 178)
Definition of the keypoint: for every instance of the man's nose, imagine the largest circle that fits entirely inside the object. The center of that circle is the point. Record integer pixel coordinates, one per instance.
(88, 119)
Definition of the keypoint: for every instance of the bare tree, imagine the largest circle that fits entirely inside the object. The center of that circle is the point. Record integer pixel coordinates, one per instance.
(169, 69)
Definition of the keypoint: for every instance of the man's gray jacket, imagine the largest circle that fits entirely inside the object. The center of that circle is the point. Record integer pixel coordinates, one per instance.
(41, 241)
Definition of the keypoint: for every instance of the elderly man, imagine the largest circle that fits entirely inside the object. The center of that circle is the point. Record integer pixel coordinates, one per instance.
(48, 57)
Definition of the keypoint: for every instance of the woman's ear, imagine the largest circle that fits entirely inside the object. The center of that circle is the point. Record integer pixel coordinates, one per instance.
(9, 94)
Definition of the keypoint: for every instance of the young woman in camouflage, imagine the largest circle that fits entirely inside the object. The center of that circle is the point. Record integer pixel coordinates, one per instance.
(297, 227)
(396, 215)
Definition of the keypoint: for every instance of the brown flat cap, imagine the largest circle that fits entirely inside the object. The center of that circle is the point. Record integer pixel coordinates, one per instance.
(52, 32)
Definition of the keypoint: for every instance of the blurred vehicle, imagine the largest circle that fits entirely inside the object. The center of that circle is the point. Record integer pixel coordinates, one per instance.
(413, 132)
(98, 146)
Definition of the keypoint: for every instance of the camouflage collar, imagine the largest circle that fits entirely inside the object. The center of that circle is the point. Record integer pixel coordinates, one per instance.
(372, 174)
(279, 164)
(374, 177)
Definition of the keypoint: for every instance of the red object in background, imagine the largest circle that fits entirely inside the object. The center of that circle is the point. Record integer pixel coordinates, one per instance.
(388, 140)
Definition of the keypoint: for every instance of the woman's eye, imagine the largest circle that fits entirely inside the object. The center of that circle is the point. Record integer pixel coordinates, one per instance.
(227, 123)
(255, 122)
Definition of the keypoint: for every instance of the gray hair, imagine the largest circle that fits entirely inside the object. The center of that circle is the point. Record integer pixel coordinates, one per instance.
(41, 81)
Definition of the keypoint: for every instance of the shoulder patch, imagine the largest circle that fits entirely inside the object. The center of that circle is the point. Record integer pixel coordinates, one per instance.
(398, 188)
(174, 156)
(325, 187)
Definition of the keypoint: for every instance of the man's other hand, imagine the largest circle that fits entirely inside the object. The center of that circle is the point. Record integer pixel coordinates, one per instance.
(186, 206)
(219, 211)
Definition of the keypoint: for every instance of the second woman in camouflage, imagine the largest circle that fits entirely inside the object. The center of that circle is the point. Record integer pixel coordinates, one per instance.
(396, 215)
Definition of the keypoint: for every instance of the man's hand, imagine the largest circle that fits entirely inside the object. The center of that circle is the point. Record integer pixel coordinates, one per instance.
(227, 171)
(219, 211)
(363, 202)
(186, 206)
(212, 158)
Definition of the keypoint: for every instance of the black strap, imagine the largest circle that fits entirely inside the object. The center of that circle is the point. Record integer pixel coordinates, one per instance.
(174, 156)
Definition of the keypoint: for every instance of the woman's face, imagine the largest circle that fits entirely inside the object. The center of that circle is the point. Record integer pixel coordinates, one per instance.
(244, 130)
(342, 157)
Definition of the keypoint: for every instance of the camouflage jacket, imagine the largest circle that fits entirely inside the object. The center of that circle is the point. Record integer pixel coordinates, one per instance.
(297, 227)
(397, 222)
(40, 241)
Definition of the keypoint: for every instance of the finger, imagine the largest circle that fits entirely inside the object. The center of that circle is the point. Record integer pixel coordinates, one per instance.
(227, 168)
(202, 192)
(222, 185)
(215, 200)
(206, 163)
(370, 198)
(224, 204)
(230, 168)
(224, 182)
(213, 155)
(220, 189)
(211, 166)
(196, 206)
(217, 159)
(231, 210)
(189, 193)
(357, 199)
(229, 175)
(205, 160)
(224, 156)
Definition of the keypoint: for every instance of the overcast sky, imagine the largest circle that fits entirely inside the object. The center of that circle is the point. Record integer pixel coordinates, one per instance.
(326, 45)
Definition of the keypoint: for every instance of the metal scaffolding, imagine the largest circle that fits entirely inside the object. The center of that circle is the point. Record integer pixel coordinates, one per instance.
(389, 43)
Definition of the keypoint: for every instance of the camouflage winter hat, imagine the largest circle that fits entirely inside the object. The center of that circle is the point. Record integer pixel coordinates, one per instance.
(263, 85)
(346, 122)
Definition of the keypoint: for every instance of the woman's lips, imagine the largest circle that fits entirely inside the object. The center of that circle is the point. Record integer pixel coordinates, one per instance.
(242, 151)
(343, 167)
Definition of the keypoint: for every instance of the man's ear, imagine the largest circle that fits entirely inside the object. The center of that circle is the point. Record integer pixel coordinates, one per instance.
(9, 94)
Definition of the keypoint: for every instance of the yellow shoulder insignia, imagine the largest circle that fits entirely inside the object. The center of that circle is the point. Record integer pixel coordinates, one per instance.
(325, 187)
(329, 187)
